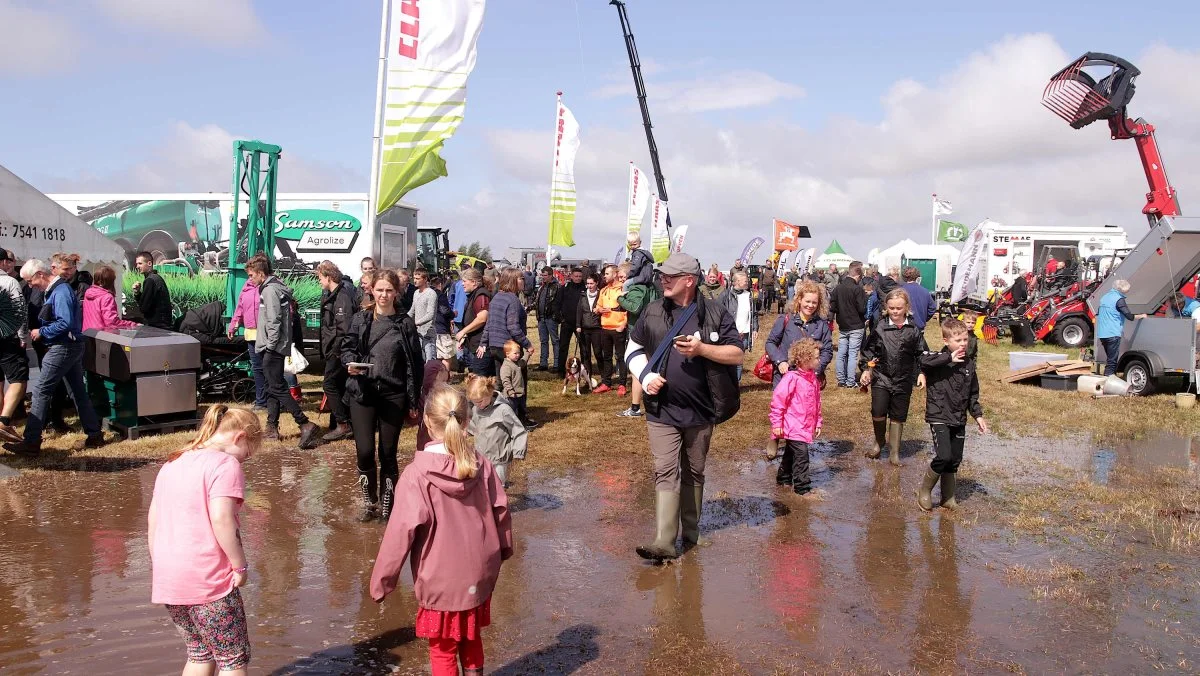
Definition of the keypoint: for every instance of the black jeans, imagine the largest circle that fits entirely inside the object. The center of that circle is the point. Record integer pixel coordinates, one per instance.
(277, 391)
(589, 350)
(388, 411)
(1112, 352)
(948, 442)
(334, 386)
(619, 344)
(793, 467)
(565, 332)
(608, 343)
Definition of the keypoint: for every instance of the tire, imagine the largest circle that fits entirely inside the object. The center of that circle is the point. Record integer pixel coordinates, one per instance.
(1140, 377)
(242, 391)
(160, 246)
(1073, 332)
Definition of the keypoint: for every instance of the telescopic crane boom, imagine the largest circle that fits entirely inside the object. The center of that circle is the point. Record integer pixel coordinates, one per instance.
(639, 85)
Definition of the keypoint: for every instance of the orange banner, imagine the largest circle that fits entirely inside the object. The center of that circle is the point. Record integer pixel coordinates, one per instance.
(787, 236)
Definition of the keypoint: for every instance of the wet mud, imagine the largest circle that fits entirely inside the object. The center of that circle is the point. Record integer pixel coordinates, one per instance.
(854, 580)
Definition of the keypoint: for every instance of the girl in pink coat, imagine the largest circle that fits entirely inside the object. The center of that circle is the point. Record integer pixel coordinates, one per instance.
(796, 414)
(451, 517)
(100, 303)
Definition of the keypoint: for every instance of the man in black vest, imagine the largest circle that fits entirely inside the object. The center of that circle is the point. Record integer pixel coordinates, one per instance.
(689, 389)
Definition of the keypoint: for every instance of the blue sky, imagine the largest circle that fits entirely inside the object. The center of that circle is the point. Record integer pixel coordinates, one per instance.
(134, 96)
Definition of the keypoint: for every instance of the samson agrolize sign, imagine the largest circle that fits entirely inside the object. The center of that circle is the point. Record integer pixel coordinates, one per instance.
(318, 230)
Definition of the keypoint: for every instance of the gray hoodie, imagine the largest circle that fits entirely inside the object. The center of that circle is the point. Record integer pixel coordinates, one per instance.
(499, 434)
(274, 317)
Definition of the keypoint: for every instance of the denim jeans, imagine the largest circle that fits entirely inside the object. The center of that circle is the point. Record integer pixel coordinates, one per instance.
(1112, 352)
(260, 383)
(62, 363)
(849, 343)
(429, 347)
(548, 335)
(747, 346)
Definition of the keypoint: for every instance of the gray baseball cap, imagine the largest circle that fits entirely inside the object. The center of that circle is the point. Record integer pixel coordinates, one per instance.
(680, 264)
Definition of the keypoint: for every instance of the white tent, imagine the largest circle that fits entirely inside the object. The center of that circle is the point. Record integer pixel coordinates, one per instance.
(944, 255)
(35, 226)
(834, 255)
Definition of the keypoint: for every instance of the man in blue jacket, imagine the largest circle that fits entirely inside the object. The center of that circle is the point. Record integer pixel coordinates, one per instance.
(921, 303)
(62, 332)
(1110, 323)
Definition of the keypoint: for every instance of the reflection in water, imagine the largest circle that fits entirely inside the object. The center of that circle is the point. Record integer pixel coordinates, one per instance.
(881, 556)
(794, 566)
(679, 632)
(945, 610)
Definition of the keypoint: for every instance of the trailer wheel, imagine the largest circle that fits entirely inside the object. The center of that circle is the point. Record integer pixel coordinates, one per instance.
(1073, 332)
(242, 391)
(1140, 377)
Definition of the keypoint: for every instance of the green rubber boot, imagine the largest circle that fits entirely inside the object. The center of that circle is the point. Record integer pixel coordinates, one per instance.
(667, 511)
(691, 505)
(925, 492)
(875, 450)
(895, 435)
(949, 484)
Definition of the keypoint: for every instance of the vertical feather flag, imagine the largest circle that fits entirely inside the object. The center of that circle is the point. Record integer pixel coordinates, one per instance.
(562, 183)
(660, 239)
(639, 197)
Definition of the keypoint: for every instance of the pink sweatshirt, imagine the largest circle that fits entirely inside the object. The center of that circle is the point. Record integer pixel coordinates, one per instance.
(100, 310)
(796, 405)
(246, 312)
(457, 531)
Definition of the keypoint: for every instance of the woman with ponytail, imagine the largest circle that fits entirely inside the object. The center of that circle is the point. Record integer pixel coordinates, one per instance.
(452, 518)
(196, 556)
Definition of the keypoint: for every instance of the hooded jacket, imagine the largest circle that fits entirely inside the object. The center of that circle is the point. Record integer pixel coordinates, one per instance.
(952, 390)
(337, 310)
(154, 300)
(428, 380)
(61, 317)
(712, 291)
(396, 358)
(457, 532)
(274, 317)
(641, 269)
(100, 310)
(246, 312)
(498, 433)
(796, 405)
(585, 314)
(896, 351)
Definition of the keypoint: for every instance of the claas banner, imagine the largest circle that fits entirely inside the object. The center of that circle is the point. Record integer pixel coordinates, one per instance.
(788, 236)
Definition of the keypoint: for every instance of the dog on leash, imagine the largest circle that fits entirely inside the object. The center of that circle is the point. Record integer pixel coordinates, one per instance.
(577, 373)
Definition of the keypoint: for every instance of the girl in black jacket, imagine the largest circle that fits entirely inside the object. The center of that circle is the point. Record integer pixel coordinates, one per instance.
(587, 327)
(382, 395)
(890, 362)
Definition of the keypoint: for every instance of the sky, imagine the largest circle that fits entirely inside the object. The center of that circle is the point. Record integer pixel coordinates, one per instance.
(844, 118)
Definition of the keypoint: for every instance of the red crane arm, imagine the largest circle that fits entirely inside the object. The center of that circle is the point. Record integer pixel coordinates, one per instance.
(1162, 199)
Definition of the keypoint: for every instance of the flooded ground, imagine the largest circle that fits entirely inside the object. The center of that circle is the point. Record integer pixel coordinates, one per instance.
(859, 581)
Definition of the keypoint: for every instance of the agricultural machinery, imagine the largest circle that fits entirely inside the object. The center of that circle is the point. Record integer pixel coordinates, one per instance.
(1154, 350)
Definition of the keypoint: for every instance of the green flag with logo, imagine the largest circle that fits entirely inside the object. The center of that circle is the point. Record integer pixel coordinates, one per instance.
(949, 231)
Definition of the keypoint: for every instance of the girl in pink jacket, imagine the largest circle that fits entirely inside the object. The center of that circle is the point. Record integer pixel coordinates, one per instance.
(100, 302)
(796, 414)
(451, 517)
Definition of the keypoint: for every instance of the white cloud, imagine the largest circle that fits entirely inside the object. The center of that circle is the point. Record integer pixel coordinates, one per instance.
(722, 91)
(977, 135)
(199, 159)
(34, 41)
(222, 22)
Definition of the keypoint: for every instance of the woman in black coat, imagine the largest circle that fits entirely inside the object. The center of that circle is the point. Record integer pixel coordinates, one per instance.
(382, 395)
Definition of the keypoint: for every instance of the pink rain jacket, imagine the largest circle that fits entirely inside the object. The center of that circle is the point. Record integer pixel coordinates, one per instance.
(796, 405)
(100, 310)
(456, 530)
(246, 312)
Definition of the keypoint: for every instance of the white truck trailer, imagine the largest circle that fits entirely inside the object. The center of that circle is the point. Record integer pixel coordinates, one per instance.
(1012, 250)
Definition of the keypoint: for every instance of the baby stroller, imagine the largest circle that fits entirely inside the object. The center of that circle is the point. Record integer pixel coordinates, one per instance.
(225, 372)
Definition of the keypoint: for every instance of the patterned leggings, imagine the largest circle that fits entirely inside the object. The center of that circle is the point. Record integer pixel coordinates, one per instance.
(215, 631)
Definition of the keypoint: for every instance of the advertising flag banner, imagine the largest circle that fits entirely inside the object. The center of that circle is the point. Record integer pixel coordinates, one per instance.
(660, 239)
(562, 182)
(949, 231)
(620, 257)
(680, 233)
(942, 207)
(969, 260)
(783, 259)
(639, 198)
(750, 249)
(430, 53)
(787, 236)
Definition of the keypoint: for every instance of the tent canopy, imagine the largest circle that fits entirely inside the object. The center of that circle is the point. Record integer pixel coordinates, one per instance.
(35, 226)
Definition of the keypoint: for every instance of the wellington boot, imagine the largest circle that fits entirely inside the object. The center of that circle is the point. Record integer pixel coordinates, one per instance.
(895, 435)
(667, 514)
(772, 446)
(949, 484)
(296, 393)
(876, 449)
(691, 505)
(924, 496)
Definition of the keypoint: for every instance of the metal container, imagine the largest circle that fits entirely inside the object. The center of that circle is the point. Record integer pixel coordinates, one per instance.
(120, 354)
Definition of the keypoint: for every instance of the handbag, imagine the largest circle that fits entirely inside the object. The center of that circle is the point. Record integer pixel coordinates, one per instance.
(295, 363)
(765, 368)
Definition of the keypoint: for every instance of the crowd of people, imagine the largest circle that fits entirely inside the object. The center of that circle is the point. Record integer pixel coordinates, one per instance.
(658, 335)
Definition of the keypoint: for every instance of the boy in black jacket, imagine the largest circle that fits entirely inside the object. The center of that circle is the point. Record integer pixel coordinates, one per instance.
(953, 391)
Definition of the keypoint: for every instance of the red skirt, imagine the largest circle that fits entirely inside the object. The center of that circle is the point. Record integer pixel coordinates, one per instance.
(460, 625)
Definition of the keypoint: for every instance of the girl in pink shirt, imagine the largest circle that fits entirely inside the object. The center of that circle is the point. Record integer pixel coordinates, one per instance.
(451, 517)
(100, 303)
(796, 414)
(197, 562)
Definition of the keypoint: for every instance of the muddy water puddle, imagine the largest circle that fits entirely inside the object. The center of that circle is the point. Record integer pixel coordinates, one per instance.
(857, 580)
(1103, 462)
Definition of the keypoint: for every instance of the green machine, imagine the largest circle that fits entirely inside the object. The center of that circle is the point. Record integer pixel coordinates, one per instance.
(255, 168)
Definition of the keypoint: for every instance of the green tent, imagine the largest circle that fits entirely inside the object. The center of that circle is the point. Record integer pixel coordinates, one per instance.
(834, 255)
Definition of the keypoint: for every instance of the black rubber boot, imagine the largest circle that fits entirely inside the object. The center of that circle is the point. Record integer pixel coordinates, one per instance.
(783, 476)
